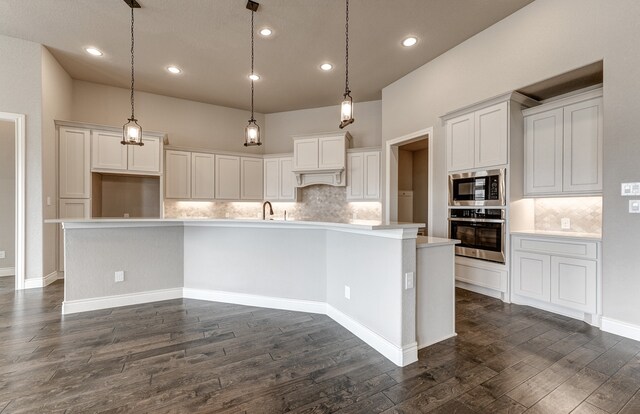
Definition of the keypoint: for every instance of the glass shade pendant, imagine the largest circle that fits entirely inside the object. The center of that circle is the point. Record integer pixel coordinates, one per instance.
(346, 108)
(252, 130)
(132, 131)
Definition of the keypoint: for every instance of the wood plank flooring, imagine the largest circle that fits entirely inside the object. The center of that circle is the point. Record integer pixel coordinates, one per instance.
(188, 356)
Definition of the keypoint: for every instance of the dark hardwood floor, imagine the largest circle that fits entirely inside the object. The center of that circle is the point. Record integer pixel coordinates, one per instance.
(188, 356)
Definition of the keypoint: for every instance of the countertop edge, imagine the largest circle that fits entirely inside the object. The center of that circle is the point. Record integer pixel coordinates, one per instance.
(558, 235)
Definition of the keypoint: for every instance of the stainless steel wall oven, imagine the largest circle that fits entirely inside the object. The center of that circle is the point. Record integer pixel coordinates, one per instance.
(481, 232)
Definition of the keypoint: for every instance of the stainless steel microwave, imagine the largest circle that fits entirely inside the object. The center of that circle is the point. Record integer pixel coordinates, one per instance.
(477, 189)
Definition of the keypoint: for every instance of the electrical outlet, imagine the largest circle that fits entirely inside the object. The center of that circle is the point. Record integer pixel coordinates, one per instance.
(347, 292)
(565, 223)
(120, 276)
(126, 215)
(634, 206)
(226, 215)
(3, 254)
(408, 280)
(630, 189)
(48, 201)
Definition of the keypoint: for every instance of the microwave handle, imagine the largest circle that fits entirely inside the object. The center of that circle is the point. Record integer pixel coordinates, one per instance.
(472, 220)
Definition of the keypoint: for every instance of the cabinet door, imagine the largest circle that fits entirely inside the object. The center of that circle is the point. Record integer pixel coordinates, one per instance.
(460, 143)
(305, 154)
(491, 135)
(331, 152)
(372, 175)
(543, 152)
(177, 177)
(75, 170)
(573, 283)
(271, 179)
(107, 153)
(532, 275)
(70, 209)
(355, 176)
(145, 158)
(202, 176)
(251, 179)
(583, 147)
(288, 192)
(227, 177)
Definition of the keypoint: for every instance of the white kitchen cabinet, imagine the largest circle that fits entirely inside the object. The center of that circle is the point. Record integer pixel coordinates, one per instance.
(251, 179)
(70, 209)
(74, 163)
(177, 179)
(563, 146)
(227, 177)
(478, 139)
(109, 155)
(560, 272)
(320, 158)
(363, 175)
(279, 179)
(202, 176)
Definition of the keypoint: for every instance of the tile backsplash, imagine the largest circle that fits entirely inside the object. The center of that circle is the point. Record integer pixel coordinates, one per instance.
(317, 202)
(585, 213)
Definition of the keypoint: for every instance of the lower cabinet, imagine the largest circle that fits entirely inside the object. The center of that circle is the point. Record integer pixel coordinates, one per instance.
(563, 273)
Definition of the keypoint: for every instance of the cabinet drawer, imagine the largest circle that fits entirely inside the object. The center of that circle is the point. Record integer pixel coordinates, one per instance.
(488, 278)
(587, 250)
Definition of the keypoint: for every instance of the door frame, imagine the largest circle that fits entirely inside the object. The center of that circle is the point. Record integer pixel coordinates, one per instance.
(391, 172)
(20, 165)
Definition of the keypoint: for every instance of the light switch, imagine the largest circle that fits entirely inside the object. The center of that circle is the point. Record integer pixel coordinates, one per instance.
(3, 254)
(630, 189)
(347, 292)
(120, 276)
(565, 223)
(634, 206)
(408, 280)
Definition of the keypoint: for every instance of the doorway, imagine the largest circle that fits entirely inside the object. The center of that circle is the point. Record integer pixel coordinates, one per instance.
(409, 178)
(12, 198)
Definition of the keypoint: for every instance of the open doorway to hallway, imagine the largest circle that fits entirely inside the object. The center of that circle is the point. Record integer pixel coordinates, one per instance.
(7, 204)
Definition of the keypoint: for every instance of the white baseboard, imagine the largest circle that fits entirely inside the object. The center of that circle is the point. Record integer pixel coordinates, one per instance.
(399, 356)
(84, 305)
(40, 282)
(591, 319)
(7, 271)
(256, 300)
(617, 327)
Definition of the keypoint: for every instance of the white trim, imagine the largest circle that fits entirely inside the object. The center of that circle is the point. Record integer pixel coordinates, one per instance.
(614, 326)
(444, 338)
(399, 356)
(428, 132)
(589, 318)
(255, 300)
(40, 282)
(85, 305)
(20, 159)
(7, 271)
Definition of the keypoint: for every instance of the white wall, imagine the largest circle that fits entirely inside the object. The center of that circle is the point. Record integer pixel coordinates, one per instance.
(7, 193)
(187, 123)
(366, 130)
(21, 92)
(542, 40)
(56, 104)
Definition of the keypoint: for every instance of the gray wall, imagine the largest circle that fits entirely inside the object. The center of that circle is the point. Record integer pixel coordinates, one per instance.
(405, 170)
(544, 39)
(366, 130)
(21, 86)
(7, 193)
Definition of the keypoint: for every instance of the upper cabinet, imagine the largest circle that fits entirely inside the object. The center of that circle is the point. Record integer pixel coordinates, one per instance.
(109, 155)
(251, 179)
(478, 139)
(75, 173)
(177, 177)
(279, 179)
(202, 176)
(363, 176)
(563, 146)
(320, 158)
(227, 177)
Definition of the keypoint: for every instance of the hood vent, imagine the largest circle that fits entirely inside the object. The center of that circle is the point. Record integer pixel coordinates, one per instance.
(321, 158)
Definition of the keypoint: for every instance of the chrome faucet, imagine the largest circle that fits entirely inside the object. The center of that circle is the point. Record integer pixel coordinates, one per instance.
(264, 206)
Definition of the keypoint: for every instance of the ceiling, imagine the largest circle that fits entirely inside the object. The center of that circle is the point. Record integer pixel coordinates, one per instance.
(210, 41)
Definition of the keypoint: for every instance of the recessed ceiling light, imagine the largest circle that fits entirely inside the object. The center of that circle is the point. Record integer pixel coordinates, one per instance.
(326, 66)
(254, 77)
(93, 51)
(266, 32)
(409, 41)
(174, 69)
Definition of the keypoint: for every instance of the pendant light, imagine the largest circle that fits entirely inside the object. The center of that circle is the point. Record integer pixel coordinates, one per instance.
(132, 131)
(252, 130)
(346, 108)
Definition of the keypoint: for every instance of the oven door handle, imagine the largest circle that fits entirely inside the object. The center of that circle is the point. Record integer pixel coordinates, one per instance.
(473, 220)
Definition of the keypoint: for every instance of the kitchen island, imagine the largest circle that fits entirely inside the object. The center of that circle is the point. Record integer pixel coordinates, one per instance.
(359, 273)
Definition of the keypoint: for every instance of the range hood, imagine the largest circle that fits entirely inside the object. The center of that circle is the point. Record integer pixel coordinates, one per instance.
(321, 158)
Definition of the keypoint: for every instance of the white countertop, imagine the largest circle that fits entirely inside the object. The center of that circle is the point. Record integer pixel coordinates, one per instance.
(559, 234)
(428, 241)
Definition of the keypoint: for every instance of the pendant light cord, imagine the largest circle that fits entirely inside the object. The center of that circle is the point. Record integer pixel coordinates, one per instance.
(346, 54)
(252, 13)
(132, 68)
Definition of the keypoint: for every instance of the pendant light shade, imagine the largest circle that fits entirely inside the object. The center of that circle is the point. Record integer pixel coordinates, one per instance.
(346, 108)
(252, 130)
(132, 131)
